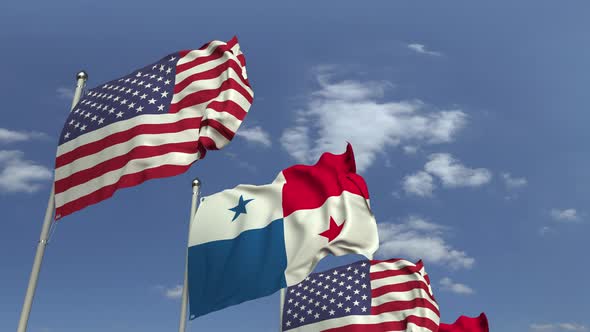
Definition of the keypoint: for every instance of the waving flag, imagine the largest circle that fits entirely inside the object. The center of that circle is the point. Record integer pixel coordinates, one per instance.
(467, 324)
(250, 241)
(392, 295)
(152, 123)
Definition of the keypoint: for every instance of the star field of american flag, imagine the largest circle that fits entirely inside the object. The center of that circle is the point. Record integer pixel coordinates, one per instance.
(331, 294)
(148, 90)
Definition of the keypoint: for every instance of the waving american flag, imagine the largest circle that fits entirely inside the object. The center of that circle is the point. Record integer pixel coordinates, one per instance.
(152, 123)
(391, 295)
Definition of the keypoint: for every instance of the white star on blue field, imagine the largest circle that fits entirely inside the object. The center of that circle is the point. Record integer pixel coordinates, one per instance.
(469, 123)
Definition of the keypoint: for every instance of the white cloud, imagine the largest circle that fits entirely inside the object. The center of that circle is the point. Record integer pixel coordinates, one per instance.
(555, 327)
(565, 215)
(448, 285)
(544, 230)
(420, 183)
(417, 238)
(20, 175)
(65, 93)
(572, 327)
(174, 292)
(453, 174)
(513, 182)
(421, 48)
(410, 149)
(351, 111)
(255, 135)
(450, 172)
(10, 136)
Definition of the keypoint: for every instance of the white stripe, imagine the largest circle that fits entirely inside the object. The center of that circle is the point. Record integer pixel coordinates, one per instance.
(228, 120)
(205, 66)
(385, 266)
(226, 95)
(388, 266)
(134, 166)
(192, 55)
(236, 49)
(411, 327)
(423, 272)
(403, 296)
(122, 126)
(120, 149)
(395, 316)
(398, 280)
(208, 84)
(212, 133)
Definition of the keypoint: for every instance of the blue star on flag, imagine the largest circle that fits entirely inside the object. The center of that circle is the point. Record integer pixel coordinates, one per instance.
(240, 208)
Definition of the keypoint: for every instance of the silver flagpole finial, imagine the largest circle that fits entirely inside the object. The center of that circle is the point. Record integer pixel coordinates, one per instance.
(196, 182)
(82, 75)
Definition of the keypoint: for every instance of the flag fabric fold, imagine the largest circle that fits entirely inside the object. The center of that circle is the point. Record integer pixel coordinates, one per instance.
(152, 123)
(250, 241)
(467, 324)
(389, 295)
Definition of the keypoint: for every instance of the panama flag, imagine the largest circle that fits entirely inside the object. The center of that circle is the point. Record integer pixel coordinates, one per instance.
(250, 241)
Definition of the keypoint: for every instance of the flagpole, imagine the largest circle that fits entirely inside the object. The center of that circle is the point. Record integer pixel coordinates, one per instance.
(282, 303)
(44, 237)
(184, 305)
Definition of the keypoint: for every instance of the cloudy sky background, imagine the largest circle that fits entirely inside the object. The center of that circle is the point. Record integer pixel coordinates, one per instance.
(469, 124)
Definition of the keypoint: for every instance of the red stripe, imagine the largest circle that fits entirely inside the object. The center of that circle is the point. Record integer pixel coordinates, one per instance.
(228, 106)
(216, 54)
(407, 270)
(388, 326)
(401, 287)
(308, 187)
(125, 181)
(183, 53)
(139, 152)
(210, 74)
(124, 136)
(233, 41)
(203, 96)
(404, 305)
(242, 60)
(208, 143)
(223, 130)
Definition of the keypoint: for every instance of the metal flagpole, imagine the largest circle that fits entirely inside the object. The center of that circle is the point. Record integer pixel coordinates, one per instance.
(282, 303)
(184, 305)
(25, 313)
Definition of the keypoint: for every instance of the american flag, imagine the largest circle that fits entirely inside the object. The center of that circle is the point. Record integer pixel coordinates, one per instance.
(391, 295)
(152, 123)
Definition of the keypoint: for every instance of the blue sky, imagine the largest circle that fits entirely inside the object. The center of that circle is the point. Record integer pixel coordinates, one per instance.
(469, 122)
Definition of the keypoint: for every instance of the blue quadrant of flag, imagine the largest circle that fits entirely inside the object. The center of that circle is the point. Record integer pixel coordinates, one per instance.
(236, 282)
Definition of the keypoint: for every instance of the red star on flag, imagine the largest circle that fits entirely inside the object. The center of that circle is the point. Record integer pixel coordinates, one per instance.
(334, 230)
